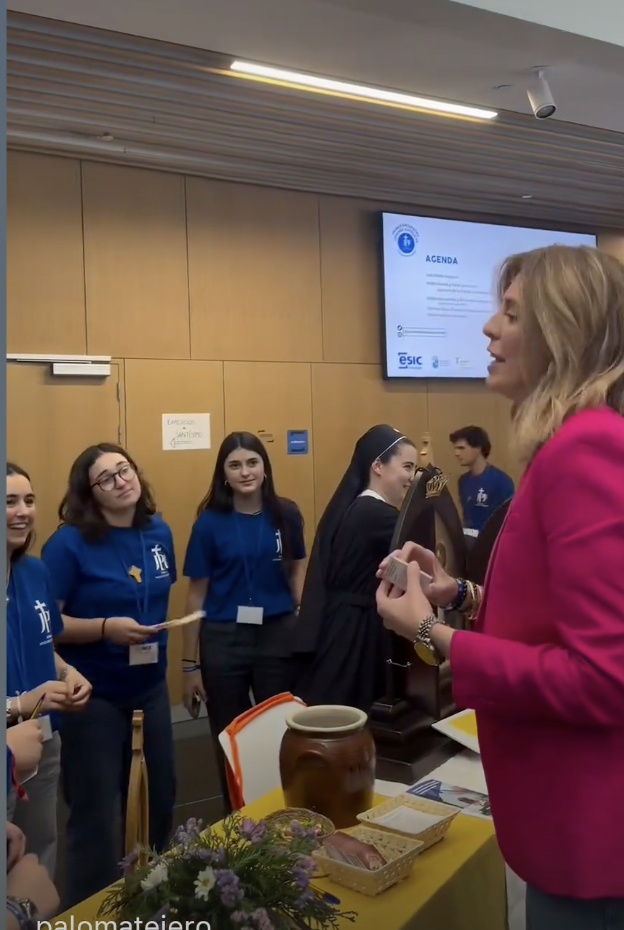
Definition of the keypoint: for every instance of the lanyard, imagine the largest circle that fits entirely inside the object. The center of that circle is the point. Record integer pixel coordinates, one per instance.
(142, 588)
(249, 571)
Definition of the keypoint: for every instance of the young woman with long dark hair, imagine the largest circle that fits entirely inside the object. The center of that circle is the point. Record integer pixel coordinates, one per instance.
(113, 565)
(245, 564)
(36, 676)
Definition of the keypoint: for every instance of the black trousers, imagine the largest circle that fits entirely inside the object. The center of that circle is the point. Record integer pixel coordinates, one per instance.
(548, 912)
(236, 659)
(95, 758)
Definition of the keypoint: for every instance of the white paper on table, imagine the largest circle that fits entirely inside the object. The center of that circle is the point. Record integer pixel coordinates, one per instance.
(408, 820)
(464, 770)
(389, 789)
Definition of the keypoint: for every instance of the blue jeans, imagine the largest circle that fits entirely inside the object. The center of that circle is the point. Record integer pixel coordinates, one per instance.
(95, 762)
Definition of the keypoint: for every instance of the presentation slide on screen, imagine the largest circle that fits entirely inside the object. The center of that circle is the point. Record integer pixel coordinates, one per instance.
(439, 285)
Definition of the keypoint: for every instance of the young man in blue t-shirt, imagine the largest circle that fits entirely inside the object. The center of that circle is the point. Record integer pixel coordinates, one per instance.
(484, 488)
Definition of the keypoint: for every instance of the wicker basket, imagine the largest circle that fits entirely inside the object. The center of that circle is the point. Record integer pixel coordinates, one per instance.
(285, 817)
(428, 837)
(398, 851)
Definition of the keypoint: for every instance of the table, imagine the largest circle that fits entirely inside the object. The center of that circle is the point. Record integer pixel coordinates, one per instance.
(459, 884)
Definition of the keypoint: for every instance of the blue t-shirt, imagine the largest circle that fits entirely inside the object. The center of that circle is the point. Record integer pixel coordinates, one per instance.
(241, 554)
(93, 580)
(482, 494)
(33, 619)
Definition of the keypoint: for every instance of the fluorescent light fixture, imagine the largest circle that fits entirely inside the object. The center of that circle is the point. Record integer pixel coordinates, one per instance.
(329, 85)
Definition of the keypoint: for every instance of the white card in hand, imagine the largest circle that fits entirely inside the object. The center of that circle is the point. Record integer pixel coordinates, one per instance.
(46, 727)
(396, 573)
(144, 654)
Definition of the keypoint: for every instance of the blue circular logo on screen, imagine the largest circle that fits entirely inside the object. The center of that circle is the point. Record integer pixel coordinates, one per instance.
(406, 243)
(406, 238)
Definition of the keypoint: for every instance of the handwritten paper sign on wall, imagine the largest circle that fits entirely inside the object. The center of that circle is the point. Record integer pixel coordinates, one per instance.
(183, 431)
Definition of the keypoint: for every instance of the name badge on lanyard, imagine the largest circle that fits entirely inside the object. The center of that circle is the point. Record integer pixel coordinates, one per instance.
(141, 653)
(249, 613)
(144, 654)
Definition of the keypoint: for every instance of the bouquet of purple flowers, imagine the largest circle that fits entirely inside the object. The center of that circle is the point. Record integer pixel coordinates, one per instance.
(238, 874)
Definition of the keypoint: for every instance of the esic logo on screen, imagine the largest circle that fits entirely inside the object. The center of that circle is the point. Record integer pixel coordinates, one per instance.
(409, 361)
(406, 238)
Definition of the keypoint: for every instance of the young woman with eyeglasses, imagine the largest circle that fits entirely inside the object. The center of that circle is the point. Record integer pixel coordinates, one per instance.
(112, 566)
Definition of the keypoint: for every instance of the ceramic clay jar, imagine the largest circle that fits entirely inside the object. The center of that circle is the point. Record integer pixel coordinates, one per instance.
(327, 762)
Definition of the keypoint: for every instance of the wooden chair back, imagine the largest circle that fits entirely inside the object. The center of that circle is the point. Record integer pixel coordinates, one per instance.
(137, 808)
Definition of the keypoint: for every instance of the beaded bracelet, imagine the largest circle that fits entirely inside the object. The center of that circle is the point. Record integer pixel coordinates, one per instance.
(190, 668)
(462, 593)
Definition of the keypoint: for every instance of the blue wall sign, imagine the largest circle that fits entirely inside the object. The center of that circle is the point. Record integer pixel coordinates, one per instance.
(297, 441)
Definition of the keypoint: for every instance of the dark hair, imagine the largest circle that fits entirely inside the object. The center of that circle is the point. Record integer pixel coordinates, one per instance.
(221, 498)
(13, 469)
(475, 436)
(78, 507)
(385, 457)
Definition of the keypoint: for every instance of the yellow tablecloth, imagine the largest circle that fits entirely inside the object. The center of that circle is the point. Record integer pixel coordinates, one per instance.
(458, 884)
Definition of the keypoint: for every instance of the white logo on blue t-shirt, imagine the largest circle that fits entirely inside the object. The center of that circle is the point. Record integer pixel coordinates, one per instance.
(162, 566)
(482, 497)
(44, 616)
(278, 546)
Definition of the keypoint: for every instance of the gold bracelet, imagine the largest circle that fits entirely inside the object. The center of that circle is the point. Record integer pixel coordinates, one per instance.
(475, 593)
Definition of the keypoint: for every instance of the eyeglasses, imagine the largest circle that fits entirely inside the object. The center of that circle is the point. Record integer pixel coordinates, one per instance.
(107, 482)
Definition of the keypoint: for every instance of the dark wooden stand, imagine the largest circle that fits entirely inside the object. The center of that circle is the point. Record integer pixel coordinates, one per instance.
(418, 694)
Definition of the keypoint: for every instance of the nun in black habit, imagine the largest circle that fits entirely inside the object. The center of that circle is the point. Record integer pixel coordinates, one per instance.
(340, 644)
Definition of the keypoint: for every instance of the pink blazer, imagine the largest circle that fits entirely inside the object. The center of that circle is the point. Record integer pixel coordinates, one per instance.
(546, 678)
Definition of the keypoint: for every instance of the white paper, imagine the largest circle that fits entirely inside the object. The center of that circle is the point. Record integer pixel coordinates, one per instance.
(183, 431)
(408, 820)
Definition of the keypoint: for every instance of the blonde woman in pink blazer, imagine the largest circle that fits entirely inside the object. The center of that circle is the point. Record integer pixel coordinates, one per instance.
(544, 664)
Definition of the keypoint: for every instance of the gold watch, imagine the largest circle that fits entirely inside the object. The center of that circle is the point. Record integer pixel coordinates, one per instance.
(423, 647)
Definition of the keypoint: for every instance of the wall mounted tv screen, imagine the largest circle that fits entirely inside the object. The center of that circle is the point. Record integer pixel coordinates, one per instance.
(439, 278)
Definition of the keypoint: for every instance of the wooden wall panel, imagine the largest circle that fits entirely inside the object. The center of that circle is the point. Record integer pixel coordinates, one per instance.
(254, 273)
(50, 421)
(273, 398)
(612, 243)
(136, 262)
(179, 479)
(346, 401)
(45, 268)
(351, 268)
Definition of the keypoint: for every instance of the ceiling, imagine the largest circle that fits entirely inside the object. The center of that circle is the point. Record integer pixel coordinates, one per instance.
(67, 84)
(436, 47)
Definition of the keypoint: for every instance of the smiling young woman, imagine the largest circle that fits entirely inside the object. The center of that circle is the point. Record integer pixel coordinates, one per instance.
(244, 562)
(36, 676)
(544, 668)
(340, 638)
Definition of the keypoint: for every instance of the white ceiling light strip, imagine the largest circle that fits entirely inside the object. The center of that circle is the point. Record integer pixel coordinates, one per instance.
(375, 94)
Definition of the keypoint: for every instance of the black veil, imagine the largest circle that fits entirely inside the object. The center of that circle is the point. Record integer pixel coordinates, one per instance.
(368, 449)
